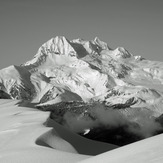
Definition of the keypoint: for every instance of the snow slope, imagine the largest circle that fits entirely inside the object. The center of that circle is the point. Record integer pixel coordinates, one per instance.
(87, 69)
(148, 150)
(25, 137)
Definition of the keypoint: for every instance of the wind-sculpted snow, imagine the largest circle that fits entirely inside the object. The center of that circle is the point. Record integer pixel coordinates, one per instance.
(29, 135)
(90, 75)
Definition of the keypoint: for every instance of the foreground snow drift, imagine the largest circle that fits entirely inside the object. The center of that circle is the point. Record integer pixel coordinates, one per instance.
(149, 150)
(24, 138)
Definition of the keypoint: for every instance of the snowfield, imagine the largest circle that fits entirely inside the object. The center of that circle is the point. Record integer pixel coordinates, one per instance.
(24, 138)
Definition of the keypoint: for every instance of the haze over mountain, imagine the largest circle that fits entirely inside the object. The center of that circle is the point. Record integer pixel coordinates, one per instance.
(87, 85)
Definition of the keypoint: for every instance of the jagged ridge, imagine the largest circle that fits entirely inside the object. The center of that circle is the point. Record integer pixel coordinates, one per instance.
(88, 72)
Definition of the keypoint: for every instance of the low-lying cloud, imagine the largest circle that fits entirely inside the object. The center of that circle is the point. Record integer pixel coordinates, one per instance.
(139, 122)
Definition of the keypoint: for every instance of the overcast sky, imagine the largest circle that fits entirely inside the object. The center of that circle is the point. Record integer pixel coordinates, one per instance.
(25, 25)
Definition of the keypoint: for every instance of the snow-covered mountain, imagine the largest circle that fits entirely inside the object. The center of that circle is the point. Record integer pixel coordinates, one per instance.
(88, 84)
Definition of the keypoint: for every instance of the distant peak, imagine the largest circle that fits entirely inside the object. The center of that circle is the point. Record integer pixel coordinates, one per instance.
(96, 39)
(122, 52)
(57, 39)
(60, 38)
(103, 45)
(78, 40)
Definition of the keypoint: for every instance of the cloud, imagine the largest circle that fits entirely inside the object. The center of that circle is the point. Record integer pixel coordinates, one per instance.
(147, 127)
(109, 117)
(138, 122)
(78, 123)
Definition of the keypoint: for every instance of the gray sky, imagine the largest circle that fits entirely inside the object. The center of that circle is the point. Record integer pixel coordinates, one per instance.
(25, 25)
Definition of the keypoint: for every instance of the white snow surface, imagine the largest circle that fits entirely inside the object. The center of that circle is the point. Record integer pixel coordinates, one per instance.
(24, 138)
(88, 69)
(148, 150)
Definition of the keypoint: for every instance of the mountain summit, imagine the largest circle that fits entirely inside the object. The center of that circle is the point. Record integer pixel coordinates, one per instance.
(90, 77)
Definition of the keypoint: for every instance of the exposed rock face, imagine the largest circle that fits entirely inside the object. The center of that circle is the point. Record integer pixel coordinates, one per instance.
(88, 75)
(4, 95)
